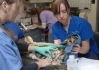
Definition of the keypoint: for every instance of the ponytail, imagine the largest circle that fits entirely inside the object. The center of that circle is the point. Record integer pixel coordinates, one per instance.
(8, 32)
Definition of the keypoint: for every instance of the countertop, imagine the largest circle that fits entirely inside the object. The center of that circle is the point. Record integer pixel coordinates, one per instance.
(29, 28)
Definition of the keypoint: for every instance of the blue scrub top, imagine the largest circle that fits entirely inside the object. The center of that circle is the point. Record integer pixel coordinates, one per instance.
(77, 26)
(12, 26)
(9, 54)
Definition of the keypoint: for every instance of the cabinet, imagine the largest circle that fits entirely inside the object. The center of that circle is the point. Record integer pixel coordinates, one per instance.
(81, 4)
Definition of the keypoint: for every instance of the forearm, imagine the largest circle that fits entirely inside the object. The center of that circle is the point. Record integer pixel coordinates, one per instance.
(31, 47)
(57, 41)
(85, 47)
(84, 50)
(43, 26)
(22, 47)
(25, 47)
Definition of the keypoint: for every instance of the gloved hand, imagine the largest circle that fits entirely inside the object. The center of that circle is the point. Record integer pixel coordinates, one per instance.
(45, 50)
(63, 46)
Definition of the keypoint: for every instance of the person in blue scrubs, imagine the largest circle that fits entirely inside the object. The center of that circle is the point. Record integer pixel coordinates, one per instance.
(9, 53)
(68, 25)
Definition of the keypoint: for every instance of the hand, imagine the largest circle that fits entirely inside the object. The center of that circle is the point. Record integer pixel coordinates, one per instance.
(45, 50)
(35, 25)
(63, 47)
(76, 49)
(44, 62)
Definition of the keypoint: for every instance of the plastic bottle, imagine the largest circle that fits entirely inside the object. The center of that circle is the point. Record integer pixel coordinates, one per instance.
(71, 63)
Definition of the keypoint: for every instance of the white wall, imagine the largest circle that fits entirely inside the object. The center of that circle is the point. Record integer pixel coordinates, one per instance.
(20, 13)
(92, 15)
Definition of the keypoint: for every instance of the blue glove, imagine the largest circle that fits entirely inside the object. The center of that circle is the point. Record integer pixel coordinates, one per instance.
(45, 50)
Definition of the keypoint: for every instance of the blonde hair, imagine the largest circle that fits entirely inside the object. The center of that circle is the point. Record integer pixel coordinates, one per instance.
(8, 32)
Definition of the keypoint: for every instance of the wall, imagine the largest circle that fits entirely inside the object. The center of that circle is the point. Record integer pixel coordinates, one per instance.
(20, 15)
(92, 15)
